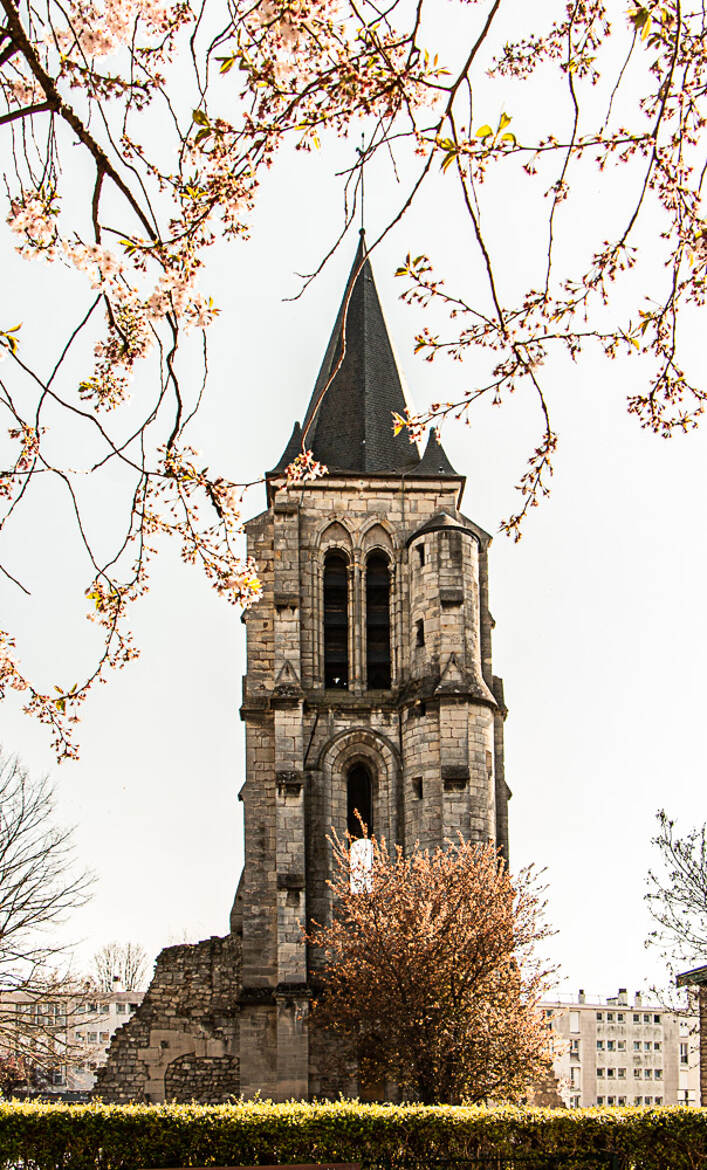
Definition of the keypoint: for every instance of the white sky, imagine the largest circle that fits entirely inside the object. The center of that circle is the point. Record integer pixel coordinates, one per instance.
(600, 619)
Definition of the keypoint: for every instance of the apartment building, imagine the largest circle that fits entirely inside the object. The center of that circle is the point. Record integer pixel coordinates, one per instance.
(72, 1033)
(615, 1052)
(92, 1026)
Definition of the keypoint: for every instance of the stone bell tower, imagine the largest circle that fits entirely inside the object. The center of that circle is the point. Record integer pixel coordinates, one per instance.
(369, 682)
(369, 688)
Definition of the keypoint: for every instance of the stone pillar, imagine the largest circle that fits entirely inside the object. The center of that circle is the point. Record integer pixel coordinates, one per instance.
(292, 1055)
(292, 1043)
(357, 661)
(395, 623)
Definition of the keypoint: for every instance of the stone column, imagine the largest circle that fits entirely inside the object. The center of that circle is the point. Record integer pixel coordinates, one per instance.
(292, 1053)
(395, 623)
(357, 661)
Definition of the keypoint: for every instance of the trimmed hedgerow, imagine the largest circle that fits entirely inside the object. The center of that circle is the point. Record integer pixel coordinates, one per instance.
(130, 1137)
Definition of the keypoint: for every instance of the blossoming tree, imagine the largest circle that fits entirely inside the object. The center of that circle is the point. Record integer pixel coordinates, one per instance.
(177, 107)
(430, 975)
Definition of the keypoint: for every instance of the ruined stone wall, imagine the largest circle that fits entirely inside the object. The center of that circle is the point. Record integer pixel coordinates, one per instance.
(182, 1043)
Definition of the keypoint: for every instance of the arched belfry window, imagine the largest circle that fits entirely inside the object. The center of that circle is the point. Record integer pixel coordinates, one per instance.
(336, 621)
(359, 799)
(378, 622)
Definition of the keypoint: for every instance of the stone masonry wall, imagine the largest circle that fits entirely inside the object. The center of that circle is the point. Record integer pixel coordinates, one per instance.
(432, 742)
(182, 1043)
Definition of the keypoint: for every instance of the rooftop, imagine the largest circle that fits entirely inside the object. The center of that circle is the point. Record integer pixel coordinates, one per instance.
(348, 425)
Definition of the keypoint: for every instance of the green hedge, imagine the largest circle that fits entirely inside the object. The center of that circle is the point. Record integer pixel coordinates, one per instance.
(128, 1137)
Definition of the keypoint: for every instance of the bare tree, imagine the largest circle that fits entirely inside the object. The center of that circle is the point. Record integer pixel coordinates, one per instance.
(430, 971)
(125, 962)
(677, 896)
(40, 885)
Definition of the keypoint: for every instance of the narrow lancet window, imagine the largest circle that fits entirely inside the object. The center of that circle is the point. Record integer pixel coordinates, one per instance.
(359, 801)
(336, 622)
(377, 622)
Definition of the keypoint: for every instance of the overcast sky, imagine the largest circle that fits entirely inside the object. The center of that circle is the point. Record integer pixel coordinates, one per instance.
(600, 631)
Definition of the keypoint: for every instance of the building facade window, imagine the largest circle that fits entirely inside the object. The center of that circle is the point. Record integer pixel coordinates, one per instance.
(336, 622)
(378, 673)
(359, 800)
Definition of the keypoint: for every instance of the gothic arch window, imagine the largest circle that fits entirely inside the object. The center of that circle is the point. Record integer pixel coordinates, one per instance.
(378, 674)
(359, 799)
(336, 621)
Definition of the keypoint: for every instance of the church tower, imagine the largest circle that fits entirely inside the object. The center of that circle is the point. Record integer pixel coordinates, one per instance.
(369, 682)
(369, 687)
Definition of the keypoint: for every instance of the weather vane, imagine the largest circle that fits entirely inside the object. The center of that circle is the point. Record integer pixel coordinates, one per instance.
(361, 151)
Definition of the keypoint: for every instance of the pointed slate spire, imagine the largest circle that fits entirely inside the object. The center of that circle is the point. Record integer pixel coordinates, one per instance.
(350, 426)
(435, 462)
(292, 450)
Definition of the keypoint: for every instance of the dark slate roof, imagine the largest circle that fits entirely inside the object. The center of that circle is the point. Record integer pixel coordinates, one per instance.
(349, 427)
(434, 462)
(444, 520)
(292, 450)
